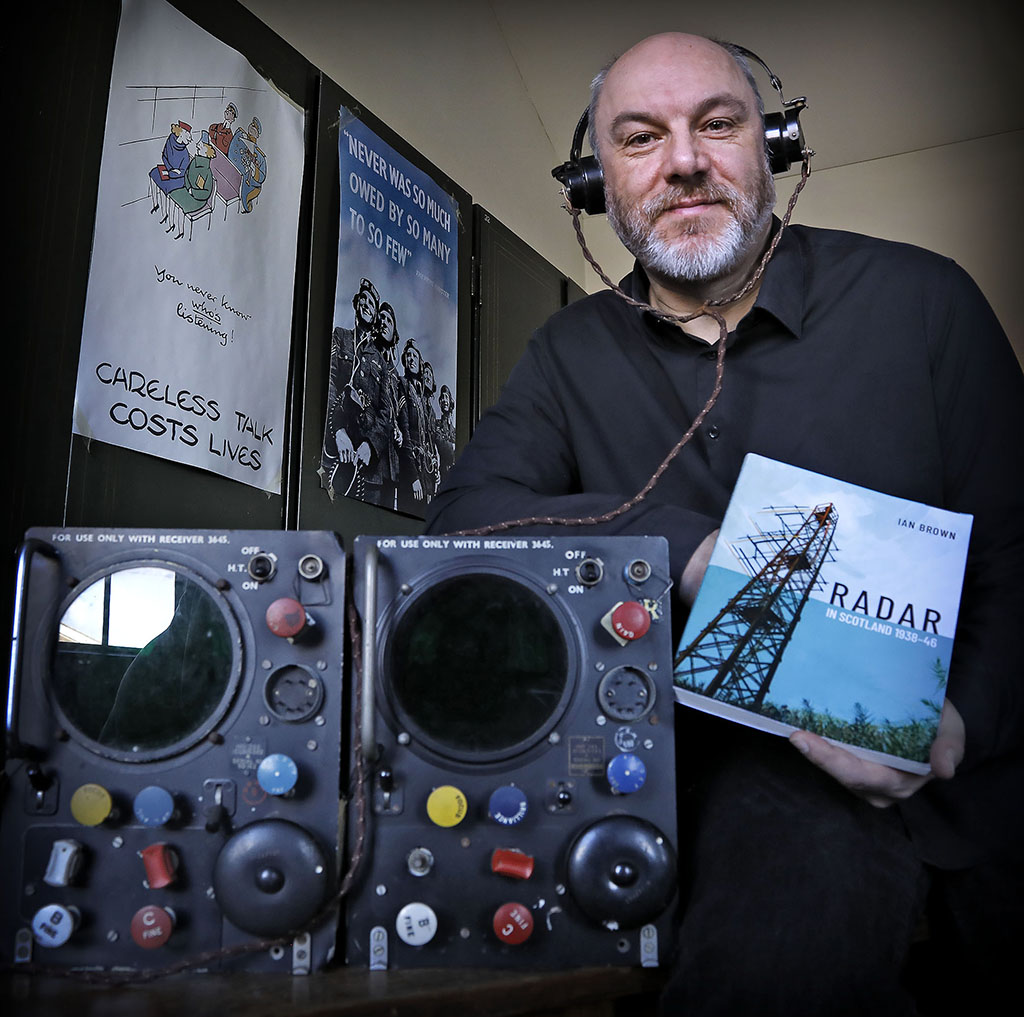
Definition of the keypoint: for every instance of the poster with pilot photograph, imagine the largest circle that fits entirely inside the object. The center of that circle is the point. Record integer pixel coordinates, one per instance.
(389, 436)
(188, 317)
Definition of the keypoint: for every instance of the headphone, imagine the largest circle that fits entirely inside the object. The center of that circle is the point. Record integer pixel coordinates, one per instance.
(583, 179)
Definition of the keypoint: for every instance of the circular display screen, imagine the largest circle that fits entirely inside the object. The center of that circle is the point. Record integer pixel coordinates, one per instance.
(143, 664)
(478, 666)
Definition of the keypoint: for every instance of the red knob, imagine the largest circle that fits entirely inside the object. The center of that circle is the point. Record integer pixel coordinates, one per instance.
(509, 862)
(513, 923)
(161, 864)
(631, 620)
(152, 926)
(286, 617)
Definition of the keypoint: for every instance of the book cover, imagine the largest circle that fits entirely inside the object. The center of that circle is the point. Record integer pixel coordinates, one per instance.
(830, 608)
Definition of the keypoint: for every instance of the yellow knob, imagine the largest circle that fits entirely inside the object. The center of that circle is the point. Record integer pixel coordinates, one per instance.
(446, 806)
(91, 804)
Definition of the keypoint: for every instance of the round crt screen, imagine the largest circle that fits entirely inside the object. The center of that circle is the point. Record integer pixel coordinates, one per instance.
(142, 662)
(478, 665)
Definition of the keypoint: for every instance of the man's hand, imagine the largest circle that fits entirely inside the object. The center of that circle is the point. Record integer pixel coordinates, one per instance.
(693, 573)
(346, 453)
(883, 785)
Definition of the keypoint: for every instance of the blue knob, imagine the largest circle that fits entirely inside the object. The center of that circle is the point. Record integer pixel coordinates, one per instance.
(626, 773)
(277, 773)
(153, 806)
(507, 805)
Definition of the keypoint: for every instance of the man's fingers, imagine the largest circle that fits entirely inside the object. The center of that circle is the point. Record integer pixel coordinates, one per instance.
(880, 785)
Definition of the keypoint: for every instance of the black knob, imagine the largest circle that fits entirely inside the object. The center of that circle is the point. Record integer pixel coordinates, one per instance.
(622, 869)
(271, 877)
(270, 880)
(623, 874)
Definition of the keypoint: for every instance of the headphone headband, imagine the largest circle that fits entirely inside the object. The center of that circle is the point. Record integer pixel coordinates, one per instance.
(583, 180)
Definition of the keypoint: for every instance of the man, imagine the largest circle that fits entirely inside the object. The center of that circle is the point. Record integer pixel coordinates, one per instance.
(252, 165)
(877, 363)
(416, 423)
(197, 188)
(169, 174)
(342, 411)
(444, 428)
(221, 134)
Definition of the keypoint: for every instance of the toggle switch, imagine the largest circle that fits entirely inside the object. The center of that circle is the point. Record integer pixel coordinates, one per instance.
(65, 861)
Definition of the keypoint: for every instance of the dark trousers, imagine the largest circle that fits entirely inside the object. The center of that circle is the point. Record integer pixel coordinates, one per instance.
(797, 897)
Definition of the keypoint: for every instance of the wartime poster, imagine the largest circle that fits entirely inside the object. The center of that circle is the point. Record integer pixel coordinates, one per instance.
(389, 436)
(187, 329)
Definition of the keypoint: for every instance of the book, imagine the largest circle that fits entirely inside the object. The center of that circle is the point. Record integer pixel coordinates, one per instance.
(827, 607)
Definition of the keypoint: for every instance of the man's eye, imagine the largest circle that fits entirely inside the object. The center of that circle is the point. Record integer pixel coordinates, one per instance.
(642, 138)
(718, 125)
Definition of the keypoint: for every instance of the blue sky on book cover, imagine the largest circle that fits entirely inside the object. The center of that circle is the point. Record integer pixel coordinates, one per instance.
(890, 561)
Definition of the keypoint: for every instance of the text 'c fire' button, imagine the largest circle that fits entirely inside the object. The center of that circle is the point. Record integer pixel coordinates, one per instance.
(152, 926)
(446, 806)
(513, 923)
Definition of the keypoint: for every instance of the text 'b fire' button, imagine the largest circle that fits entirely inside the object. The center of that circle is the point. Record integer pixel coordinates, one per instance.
(416, 924)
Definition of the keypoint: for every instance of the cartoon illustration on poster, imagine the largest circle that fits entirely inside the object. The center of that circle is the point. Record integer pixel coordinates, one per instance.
(389, 437)
(187, 330)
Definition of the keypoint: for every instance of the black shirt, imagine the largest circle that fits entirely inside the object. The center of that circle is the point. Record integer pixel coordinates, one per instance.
(877, 363)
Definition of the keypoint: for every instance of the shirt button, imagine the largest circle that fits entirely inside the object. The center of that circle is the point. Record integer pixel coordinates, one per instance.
(710, 354)
(713, 431)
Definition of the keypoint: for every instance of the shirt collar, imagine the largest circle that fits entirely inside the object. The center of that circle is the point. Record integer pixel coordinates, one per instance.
(782, 287)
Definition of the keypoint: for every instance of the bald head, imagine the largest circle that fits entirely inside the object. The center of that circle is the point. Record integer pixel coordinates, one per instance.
(669, 51)
(678, 127)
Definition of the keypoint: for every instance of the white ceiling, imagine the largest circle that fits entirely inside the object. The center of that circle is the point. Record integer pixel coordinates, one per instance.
(490, 92)
(882, 77)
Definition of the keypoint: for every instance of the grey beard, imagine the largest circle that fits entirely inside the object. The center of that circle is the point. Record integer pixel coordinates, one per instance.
(697, 256)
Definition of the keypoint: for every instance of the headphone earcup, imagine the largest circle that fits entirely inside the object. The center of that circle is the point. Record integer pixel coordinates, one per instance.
(784, 138)
(584, 185)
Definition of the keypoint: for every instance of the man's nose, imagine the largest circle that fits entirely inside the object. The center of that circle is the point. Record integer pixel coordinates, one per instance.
(685, 155)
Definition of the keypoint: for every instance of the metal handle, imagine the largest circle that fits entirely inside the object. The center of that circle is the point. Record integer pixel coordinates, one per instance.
(26, 551)
(369, 642)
